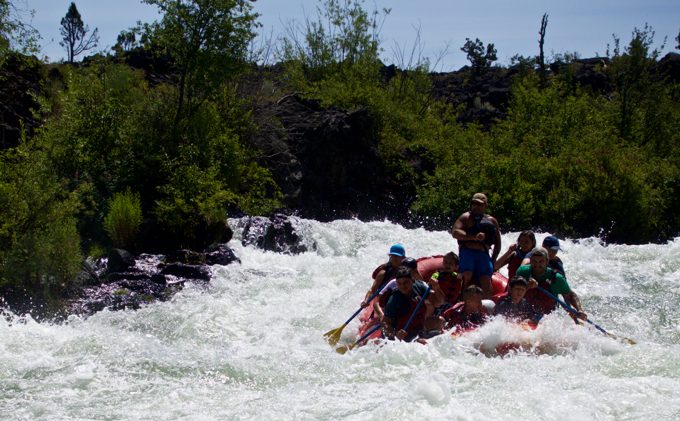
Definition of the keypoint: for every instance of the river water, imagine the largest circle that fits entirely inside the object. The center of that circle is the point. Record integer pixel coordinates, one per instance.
(251, 346)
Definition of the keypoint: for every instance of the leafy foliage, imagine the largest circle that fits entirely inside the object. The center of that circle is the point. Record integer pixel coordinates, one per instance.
(123, 219)
(480, 58)
(16, 33)
(39, 243)
(207, 40)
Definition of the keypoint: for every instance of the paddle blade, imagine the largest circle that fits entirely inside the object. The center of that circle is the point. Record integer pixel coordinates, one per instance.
(343, 349)
(333, 336)
(621, 338)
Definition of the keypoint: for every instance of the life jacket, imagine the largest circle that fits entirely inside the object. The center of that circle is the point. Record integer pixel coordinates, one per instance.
(516, 262)
(522, 310)
(450, 284)
(542, 302)
(557, 265)
(418, 320)
(455, 316)
(390, 272)
(482, 223)
(383, 297)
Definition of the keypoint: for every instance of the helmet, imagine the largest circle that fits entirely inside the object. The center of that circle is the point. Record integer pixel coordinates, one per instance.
(397, 250)
(409, 262)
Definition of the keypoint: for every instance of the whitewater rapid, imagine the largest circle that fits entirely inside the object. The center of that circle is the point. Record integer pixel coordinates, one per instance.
(251, 346)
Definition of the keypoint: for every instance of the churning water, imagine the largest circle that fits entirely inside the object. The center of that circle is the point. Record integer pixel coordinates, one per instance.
(251, 346)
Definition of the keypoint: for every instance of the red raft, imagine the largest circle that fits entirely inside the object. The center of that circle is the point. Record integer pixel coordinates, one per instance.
(426, 267)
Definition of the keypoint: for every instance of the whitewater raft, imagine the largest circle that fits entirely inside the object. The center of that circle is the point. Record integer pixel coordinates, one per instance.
(426, 267)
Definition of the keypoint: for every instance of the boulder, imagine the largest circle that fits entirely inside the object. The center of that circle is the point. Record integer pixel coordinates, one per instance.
(187, 271)
(119, 260)
(278, 234)
(220, 254)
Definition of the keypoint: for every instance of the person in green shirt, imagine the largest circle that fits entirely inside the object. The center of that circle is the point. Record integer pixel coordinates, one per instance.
(540, 275)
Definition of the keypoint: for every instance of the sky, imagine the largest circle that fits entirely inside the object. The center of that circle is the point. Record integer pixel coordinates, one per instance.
(582, 26)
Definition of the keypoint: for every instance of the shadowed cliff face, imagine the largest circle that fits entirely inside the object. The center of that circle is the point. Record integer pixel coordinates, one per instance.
(325, 160)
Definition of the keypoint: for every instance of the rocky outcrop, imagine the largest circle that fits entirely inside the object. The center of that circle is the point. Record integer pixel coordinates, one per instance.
(484, 96)
(669, 66)
(122, 281)
(278, 233)
(325, 160)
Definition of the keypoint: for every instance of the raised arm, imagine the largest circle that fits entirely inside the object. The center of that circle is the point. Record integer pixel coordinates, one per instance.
(374, 287)
(505, 258)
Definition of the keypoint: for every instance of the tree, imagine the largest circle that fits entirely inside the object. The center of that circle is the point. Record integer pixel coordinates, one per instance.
(541, 41)
(126, 41)
(15, 33)
(478, 56)
(74, 33)
(208, 42)
(677, 47)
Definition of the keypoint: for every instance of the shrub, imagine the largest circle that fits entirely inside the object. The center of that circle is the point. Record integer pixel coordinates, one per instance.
(123, 219)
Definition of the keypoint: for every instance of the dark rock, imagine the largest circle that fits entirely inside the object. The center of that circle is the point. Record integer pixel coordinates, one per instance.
(133, 276)
(119, 260)
(187, 271)
(188, 257)
(91, 271)
(220, 254)
(274, 234)
(158, 278)
(325, 160)
(128, 294)
(669, 66)
(137, 285)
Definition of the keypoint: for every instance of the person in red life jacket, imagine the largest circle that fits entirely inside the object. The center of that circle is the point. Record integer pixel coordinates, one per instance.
(446, 287)
(516, 253)
(552, 244)
(539, 274)
(477, 232)
(401, 305)
(469, 313)
(383, 273)
(446, 284)
(391, 286)
(514, 306)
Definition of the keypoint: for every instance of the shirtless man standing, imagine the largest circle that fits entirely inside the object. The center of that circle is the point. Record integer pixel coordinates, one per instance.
(477, 233)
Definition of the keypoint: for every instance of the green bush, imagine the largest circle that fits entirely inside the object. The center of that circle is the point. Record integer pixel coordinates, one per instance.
(39, 242)
(123, 219)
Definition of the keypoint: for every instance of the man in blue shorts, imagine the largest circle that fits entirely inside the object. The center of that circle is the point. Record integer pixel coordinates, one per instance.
(477, 233)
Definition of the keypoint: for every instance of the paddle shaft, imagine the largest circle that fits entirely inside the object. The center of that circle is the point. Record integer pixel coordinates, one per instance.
(420, 303)
(366, 335)
(570, 308)
(375, 294)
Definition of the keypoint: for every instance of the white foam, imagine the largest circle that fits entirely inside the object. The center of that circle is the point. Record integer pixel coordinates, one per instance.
(251, 347)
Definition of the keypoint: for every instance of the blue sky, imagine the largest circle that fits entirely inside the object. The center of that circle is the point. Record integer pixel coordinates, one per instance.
(584, 26)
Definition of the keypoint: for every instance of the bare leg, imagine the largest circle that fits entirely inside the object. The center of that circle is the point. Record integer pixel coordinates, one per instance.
(485, 283)
(467, 279)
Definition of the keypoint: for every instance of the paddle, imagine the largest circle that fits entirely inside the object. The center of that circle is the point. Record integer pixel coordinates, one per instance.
(573, 311)
(344, 349)
(420, 303)
(333, 336)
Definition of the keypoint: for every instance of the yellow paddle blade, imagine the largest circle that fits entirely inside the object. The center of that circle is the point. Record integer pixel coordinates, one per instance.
(630, 341)
(333, 336)
(344, 349)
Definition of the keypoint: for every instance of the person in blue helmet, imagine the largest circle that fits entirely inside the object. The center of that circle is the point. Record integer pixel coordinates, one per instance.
(385, 272)
(418, 284)
(477, 233)
(552, 245)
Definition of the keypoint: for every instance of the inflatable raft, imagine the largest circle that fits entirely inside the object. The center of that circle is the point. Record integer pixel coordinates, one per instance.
(426, 267)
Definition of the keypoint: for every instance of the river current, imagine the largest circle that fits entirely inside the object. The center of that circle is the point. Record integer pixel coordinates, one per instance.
(251, 345)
